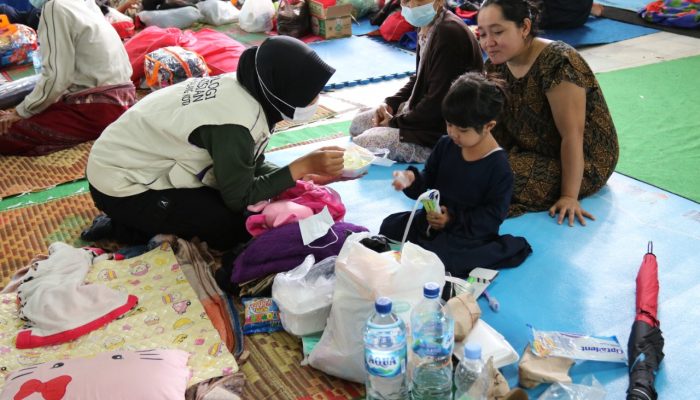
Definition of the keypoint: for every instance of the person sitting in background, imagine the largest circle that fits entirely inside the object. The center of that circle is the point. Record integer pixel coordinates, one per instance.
(410, 123)
(567, 14)
(85, 82)
(29, 17)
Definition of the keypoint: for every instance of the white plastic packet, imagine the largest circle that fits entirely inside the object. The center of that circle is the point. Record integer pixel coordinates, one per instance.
(256, 16)
(180, 18)
(577, 346)
(217, 12)
(589, 389)
(304, 295)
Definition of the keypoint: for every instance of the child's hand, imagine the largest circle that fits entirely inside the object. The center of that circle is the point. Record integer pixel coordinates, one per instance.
(438, 220)
(403, 179)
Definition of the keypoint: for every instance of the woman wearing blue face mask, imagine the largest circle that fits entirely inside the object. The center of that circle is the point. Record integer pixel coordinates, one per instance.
(410, 122)
(188, 159)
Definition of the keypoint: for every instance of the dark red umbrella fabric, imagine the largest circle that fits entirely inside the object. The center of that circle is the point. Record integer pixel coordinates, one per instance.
(648, 289)
(645, 345)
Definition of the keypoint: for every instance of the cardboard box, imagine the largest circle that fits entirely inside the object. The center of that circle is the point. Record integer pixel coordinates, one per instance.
(332, 28)
(341, 10)
(332, 22)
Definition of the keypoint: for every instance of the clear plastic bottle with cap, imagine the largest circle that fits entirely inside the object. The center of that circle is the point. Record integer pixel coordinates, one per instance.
(36, 61)
(432, 330)
(385, 354)
(468, 374)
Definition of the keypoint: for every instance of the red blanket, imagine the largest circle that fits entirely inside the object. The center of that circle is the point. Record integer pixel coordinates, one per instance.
(220, 52)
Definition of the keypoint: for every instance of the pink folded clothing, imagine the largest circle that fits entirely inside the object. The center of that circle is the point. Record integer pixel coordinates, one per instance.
(220, 52)
(57, 305)
(294, 204)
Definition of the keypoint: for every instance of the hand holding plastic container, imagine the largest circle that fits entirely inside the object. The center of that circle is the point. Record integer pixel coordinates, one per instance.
(385, 354)
(356, 161)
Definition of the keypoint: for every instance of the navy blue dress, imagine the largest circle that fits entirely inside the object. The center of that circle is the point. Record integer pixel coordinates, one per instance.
(477, 196)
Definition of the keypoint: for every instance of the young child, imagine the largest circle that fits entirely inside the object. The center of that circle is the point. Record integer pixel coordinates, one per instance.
(475, 182)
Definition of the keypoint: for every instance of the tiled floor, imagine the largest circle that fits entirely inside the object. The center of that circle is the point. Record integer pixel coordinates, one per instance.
(658, 47)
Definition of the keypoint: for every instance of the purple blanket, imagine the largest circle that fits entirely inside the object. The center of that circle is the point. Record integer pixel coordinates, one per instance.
(281, 249)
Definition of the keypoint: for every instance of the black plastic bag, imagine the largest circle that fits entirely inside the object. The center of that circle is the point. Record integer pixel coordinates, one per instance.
(293, 18)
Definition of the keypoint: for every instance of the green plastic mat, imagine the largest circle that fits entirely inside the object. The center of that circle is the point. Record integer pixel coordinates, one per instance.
(280, 140)
(657, 115)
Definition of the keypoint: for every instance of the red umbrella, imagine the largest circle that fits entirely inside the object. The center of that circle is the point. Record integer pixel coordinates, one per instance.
(645, 346)
(648, 288)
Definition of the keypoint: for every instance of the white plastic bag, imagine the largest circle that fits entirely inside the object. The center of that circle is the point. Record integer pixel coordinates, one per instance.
(182, 17)
(362, 275)
(217, 12)
(256, 16)
(304, 295)
(589, 389)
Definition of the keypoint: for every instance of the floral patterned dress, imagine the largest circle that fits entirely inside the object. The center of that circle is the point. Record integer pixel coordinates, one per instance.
(526, 129)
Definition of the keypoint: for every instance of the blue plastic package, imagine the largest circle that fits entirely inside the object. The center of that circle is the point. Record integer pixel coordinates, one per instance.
(261, 315)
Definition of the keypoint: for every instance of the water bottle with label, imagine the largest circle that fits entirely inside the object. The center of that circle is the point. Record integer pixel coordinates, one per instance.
(432, 343)
(468, 375)
(385, 354)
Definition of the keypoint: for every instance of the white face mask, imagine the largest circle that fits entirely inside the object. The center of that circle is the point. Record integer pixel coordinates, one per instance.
(301, 114)
(37, 3)
(316, 227)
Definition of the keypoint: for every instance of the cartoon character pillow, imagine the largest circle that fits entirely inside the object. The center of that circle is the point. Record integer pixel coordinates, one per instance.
(134, 375)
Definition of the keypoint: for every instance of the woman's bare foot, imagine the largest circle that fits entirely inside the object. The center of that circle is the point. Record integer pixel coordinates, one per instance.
(597, 10)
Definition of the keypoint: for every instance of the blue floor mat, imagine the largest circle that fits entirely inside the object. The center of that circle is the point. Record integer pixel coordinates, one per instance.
(359, 60)
(597, 31)
(362, 27)
(580, 279)
(634, 5)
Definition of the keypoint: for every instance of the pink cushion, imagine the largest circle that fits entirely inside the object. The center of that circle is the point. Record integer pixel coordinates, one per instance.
(134, 375)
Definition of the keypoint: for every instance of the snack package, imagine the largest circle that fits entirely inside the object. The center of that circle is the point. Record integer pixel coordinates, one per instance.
(261, 315)
(431, 201)
(577, 346)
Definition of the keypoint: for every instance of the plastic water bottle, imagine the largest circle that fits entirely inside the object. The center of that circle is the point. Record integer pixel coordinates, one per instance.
(468, 374)
(36, 61)
(432, 343)
(385, 354)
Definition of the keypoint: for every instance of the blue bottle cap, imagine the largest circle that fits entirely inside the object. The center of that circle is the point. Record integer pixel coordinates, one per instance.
(431, 290)
(472, 351)
(383, 305)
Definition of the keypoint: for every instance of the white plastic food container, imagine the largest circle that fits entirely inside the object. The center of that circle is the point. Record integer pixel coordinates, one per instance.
(357, 161)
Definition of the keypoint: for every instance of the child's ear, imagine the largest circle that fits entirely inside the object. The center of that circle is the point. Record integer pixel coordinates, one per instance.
(489, 125)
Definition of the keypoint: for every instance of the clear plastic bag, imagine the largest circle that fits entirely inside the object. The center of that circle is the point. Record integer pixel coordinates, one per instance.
(17, 42)
(360, 8)
(217, 12)
(588, 389)
(181, 18)
(173, 64)
(356, 161)
(304, 295)
(256, 16)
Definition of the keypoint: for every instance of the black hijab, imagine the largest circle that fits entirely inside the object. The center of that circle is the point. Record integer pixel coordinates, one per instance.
(289, 69)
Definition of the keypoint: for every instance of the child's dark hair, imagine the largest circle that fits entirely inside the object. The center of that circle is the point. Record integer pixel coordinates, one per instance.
(473, 100)
(517, 11)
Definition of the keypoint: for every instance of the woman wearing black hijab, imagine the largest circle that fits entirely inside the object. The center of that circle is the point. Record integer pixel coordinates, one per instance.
(188, 159)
